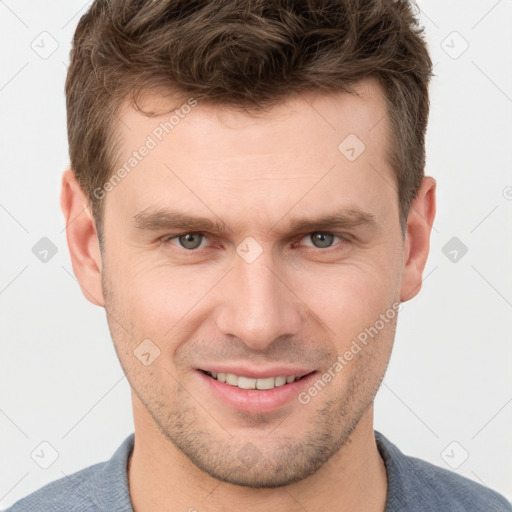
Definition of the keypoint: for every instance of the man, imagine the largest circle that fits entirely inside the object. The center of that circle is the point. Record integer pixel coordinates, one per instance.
(247, 201)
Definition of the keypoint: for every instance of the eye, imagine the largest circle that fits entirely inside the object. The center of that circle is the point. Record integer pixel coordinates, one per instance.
(322, 239)
(188, 241)
(194, 240)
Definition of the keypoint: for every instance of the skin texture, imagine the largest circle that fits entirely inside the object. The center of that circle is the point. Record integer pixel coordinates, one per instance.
(296, 304)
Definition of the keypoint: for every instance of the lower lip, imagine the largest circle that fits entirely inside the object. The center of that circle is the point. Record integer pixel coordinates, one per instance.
(256, 401)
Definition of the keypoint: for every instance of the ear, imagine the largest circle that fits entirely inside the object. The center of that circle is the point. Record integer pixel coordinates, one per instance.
(417, 238)
(82, 238)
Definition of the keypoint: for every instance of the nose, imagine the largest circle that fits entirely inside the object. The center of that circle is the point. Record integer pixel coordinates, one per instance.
(258, 304)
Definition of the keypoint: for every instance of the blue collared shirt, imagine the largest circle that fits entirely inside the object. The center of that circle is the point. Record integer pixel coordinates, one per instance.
(413, 486)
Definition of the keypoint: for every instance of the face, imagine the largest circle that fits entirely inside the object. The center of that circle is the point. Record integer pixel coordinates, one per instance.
(262, 248)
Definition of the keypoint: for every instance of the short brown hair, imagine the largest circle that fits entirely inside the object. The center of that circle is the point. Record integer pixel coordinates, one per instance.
(249, 55)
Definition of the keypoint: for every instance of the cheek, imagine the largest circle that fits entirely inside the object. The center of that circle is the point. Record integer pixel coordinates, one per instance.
(159, 299)
(349, 298)
(141, 306)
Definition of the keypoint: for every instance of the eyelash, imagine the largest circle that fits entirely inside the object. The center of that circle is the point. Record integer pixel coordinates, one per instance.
(344, 240)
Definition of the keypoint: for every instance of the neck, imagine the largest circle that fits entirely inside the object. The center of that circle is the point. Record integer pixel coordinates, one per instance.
(162, 478)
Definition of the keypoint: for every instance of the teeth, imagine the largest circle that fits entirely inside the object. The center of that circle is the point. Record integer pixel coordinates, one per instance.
(268, 383)
(249, 383)
(280, 381)
(231, 379)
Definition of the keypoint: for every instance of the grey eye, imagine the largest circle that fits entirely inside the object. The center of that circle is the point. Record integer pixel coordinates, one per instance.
(190, 240)
(322, 240)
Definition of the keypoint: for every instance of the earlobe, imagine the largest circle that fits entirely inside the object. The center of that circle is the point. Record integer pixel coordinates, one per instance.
(82, 238)
(417, 241)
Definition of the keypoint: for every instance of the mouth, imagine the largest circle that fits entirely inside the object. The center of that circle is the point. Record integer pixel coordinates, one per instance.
(262, 384)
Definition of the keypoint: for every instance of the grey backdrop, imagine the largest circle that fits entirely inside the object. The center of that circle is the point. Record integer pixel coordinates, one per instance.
(447, 394)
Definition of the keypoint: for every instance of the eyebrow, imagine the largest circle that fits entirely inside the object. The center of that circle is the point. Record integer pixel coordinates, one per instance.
(170, 219)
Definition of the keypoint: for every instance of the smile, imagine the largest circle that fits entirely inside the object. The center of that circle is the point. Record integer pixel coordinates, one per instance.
(243, 382)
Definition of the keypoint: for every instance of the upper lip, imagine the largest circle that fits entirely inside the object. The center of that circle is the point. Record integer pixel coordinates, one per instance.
(257, 373)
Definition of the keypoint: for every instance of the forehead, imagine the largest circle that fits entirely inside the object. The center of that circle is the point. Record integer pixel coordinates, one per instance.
(314, 148)
(308, 117)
